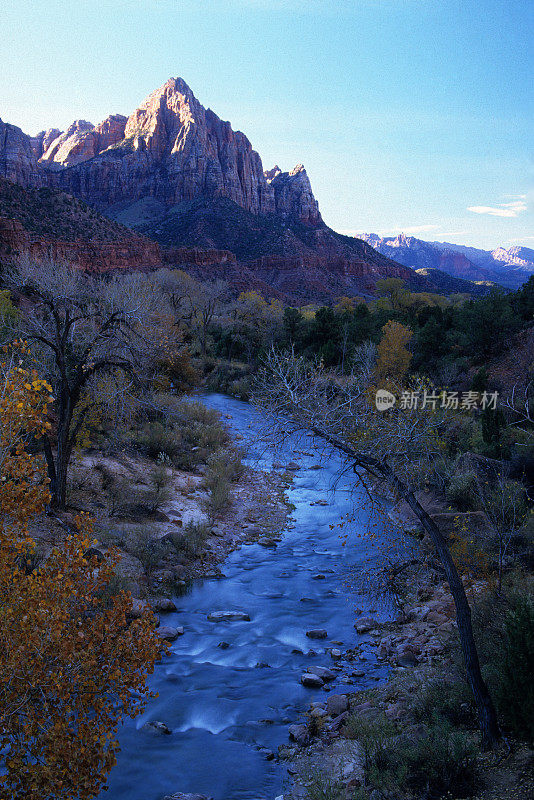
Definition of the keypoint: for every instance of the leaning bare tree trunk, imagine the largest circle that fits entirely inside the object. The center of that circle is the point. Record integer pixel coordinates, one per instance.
(487, 715)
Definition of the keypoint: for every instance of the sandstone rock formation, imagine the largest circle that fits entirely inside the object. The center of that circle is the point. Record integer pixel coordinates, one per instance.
(171, 149)
(134, 253)
(81, 141)
(17, 158)
(293, 196)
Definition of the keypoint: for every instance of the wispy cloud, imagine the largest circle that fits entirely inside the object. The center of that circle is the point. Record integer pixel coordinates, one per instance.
(520, 239)
(512, 209)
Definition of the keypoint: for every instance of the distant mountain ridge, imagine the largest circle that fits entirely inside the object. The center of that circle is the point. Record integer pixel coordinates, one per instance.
(508, 268)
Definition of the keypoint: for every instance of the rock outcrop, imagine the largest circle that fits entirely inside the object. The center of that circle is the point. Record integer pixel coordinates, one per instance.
(170, 149)
(129, 254)
(18, 162)
(81, 142)
(293, 196)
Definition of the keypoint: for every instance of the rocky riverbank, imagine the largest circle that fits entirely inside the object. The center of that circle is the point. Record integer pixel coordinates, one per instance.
(412, 644)
(425, 689)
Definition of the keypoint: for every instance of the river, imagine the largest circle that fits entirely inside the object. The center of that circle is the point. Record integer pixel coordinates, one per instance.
(222, 707)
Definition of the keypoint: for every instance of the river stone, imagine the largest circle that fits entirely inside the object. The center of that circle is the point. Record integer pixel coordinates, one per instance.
(156, 727)
(138, 608)
(163, 604)
(336, 704)
(335, 654)
(182, 796)
(292, 466)
(338, 721)
(265, 542)
(224, 616)
(317, 633)
(311, 680)
(298, 733)
(407, 659)
(365, 624)
(168, 633)
(323, 672)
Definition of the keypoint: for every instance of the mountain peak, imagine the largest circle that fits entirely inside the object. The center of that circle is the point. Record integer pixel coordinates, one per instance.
(272, 173)
(170, 149)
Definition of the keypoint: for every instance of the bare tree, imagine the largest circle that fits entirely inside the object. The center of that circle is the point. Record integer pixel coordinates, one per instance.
(79, 327)
(194, 303)
(504, 503)
(390, 446)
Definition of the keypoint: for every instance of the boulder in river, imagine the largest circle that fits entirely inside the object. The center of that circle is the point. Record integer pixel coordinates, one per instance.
(163, 604)
(317, 633)
(182, 796)
(298, 733)
(365, 624)
(311, 680)
(323, 672)
(157, 728)
(227, 616)
(169, 633)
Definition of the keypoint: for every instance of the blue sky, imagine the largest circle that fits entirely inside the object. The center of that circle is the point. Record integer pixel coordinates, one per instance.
(409, 115)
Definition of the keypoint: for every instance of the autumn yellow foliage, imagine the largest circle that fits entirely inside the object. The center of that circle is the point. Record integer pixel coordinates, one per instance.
(72, 663)
(393, 356)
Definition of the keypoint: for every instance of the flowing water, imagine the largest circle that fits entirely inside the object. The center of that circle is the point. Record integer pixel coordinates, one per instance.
(222, 707)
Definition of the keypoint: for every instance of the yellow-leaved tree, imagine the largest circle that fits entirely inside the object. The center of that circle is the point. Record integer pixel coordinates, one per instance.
(72, 663)
(393, 356)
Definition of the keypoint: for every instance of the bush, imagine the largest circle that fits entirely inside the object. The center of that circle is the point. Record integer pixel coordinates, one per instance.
(158, 438)
(324, 787)
(382, 766)
(224, 467)
(158, 488)
(187, 433)
(506, 504)
(515, 696)
(441, 698)
(111, 590)
(192, 539)
(148, 549)
(440, 759)
(504, 628)
(462, 491)
(444, 760)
